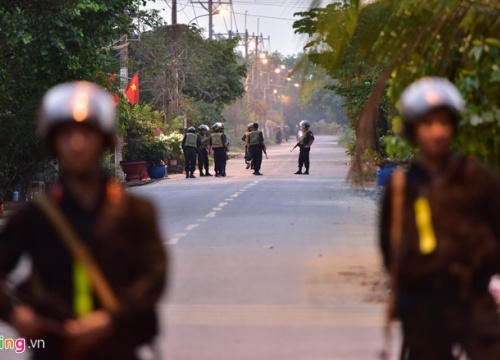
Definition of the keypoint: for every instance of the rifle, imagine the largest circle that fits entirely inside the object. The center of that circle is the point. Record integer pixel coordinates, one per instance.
(265, 152)
(294, 147)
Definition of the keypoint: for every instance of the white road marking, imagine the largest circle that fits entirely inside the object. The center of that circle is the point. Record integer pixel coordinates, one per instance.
(211, 214)
(191, 227)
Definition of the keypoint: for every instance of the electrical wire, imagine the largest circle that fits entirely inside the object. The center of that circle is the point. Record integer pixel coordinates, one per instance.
(259, 16)
(266, 17)
(185, 5)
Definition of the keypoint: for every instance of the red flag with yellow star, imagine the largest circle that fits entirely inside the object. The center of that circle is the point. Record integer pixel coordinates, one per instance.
(132, 90)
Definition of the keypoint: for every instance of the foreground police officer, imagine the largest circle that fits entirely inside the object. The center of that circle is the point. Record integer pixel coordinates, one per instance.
(218, 143)
(190, 144)
(203, 150)
(305, 142)
(98, 301)
(440, 235)
(257, 146)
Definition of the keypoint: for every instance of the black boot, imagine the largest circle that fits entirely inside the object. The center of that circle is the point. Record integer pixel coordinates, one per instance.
(201, 173)
(299, 172)
(207, 173)
(306, 172)
(192, 176)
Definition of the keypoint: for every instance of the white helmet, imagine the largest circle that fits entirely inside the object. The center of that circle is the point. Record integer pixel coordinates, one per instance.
(79, 102)
(425, 95)
(305, 123)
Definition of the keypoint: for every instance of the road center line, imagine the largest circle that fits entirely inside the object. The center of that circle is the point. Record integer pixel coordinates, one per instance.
(172, 241)
(191, 227)
(222, 204)
(210, 215)
(180, 234)
(216, 209)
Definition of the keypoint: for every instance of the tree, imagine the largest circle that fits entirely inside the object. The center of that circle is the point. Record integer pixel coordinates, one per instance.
(184, 74)
(395, 42)
(44, 43)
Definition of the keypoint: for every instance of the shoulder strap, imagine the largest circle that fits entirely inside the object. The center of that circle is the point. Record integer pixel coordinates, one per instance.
(79, 251)
(398, 185)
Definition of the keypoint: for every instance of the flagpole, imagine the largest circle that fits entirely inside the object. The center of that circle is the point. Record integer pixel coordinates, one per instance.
(124, 63)
(123, 85)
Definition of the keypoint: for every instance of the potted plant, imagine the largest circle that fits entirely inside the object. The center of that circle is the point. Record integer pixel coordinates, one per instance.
(155, 153)
(138, 125)
(174, 144)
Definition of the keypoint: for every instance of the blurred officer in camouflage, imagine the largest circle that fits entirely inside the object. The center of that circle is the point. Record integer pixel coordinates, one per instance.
(98, 259)
(248, 154)
(305, 142)
(440, 235)
(203, 150)
(190, 144)
(257, 146)
(218, 143)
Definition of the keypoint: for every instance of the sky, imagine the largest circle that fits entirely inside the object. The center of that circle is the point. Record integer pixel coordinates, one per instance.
(271, 18)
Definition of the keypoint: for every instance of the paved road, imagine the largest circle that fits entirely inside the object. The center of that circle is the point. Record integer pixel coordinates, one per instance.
(271, 267)
(274, 267)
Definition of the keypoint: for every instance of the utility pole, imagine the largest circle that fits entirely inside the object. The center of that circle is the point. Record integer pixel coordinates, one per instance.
(174, 12)
(210, 19)
(246, 46)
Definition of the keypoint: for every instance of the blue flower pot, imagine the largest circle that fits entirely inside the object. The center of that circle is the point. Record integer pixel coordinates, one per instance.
(384, 174)
(156, 172)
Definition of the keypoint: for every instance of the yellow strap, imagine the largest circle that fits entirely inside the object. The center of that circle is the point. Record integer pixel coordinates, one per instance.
(79, 251)
(83, 302)
(423, 219)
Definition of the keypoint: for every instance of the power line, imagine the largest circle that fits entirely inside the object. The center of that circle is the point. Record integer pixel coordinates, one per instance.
(266, 17)
(259, 16)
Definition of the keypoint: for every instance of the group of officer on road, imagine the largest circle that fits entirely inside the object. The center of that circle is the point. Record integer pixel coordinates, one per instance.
(255, 147)
(199, 146)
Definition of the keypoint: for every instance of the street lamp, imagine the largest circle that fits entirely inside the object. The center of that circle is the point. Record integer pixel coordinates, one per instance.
(216, 12)
(210, 14)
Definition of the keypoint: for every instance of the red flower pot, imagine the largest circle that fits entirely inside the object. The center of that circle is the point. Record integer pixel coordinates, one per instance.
(134, 170)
